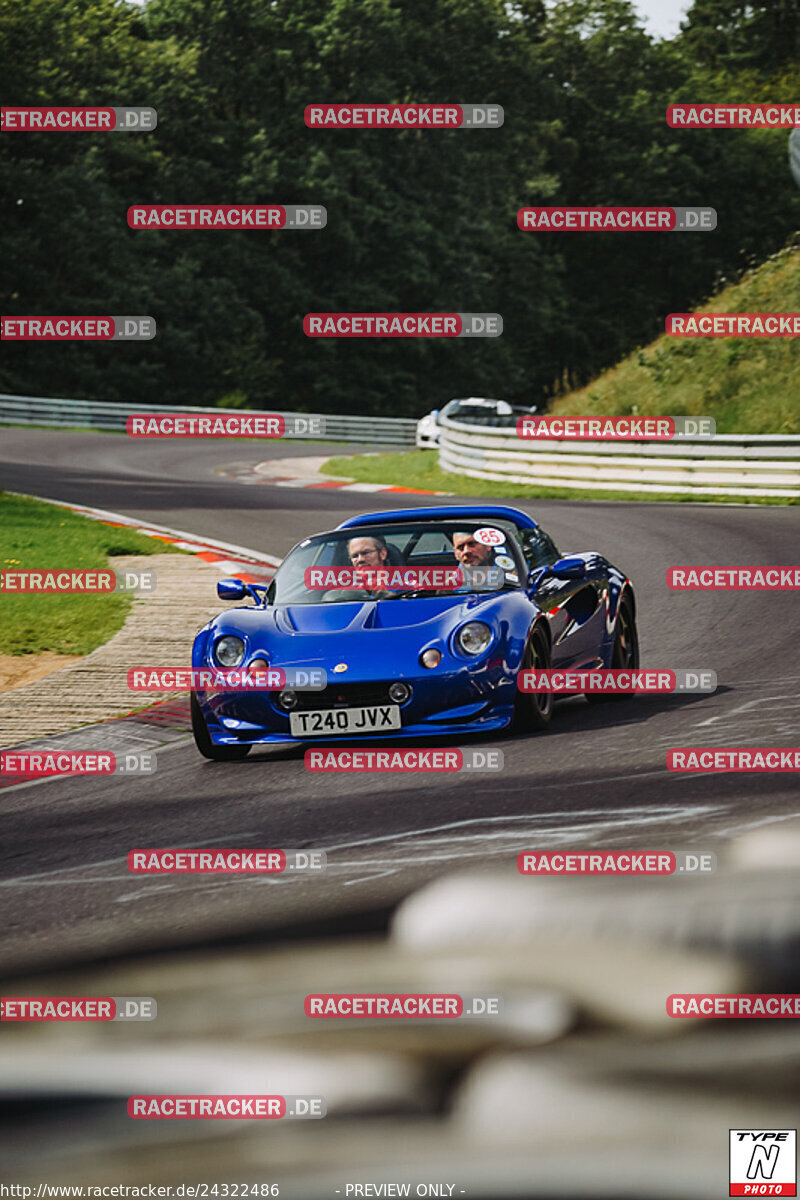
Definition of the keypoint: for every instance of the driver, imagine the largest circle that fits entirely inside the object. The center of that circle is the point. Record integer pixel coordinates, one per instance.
(369, 551)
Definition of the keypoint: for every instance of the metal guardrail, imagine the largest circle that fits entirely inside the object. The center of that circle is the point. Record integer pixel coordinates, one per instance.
(729, 465)
(764, 465)
(36, 410)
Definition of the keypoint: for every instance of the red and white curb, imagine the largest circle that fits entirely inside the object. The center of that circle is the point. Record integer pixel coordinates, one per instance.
(289, 473)
(225, 556)
(344, 486)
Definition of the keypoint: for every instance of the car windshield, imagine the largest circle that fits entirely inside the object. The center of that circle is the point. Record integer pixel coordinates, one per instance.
(487, 412)
(400, 560)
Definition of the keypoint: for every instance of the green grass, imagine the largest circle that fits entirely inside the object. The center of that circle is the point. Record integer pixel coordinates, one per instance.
(748, 385)
(35, 535)
(420, 469)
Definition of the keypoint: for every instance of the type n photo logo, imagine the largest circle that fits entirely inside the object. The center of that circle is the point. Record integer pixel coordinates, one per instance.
(763, 1162)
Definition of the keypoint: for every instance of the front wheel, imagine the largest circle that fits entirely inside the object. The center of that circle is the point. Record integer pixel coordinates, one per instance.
(203, 740)
(625, 654)
(533, 710)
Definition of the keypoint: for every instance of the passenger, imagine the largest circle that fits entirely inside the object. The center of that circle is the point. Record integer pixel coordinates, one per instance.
(471, 553)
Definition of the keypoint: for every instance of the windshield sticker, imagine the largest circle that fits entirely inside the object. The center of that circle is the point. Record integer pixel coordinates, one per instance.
(504, 561)
(488, 536)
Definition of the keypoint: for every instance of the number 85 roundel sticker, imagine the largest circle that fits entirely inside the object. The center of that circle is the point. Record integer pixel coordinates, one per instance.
(488, 536)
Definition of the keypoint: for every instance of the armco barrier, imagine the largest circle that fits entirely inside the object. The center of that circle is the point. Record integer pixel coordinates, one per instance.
(91, 414)
(728, 465)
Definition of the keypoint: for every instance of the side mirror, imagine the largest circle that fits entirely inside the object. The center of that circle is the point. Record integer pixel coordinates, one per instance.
(231, 589)
(569, 568)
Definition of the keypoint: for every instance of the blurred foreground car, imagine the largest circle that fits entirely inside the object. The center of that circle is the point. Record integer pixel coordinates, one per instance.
(473, 410)
(411, 660)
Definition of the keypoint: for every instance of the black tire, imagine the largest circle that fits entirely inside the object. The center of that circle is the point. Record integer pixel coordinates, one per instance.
(533, 710)
(625, 654)
(204, 743)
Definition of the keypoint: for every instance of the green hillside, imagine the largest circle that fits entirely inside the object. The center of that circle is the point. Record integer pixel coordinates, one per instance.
(749, 385)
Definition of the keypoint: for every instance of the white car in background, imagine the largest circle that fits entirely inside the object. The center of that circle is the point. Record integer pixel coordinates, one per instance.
(472, 410)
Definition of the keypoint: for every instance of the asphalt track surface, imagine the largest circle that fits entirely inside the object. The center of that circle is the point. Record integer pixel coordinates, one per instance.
(598, 778)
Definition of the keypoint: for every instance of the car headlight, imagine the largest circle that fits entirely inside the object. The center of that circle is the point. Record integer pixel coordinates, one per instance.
(474, 637)
(229, 651)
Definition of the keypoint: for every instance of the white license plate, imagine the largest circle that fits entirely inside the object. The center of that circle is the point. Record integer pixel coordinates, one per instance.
(330, 722)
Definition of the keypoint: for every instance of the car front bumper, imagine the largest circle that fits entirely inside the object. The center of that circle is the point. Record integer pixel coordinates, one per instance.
(468, 701)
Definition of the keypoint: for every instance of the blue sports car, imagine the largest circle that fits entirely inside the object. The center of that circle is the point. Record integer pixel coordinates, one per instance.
(401, 660)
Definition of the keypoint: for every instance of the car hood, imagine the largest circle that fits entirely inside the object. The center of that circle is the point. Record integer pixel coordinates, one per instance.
(371, 614)
(370, 635)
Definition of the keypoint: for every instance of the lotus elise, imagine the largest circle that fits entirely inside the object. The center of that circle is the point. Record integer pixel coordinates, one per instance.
(410, 660)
